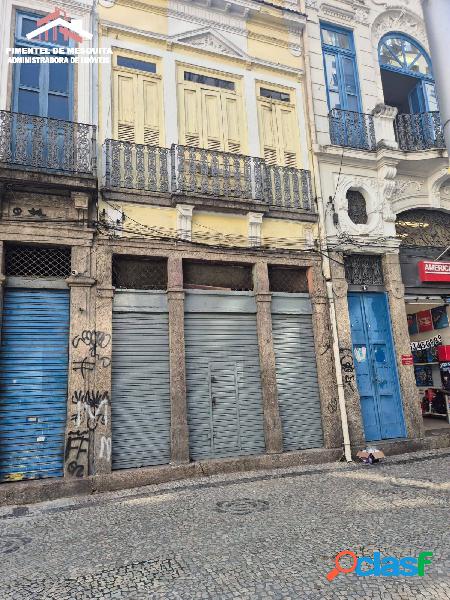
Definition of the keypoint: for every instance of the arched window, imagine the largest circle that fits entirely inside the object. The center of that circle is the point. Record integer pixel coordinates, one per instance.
(406, 74)
(402, 53)
(356, 204)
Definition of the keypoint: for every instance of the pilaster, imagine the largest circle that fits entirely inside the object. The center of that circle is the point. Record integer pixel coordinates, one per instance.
(272, 422)
(396, 294)
(178, 423)
(323, 343)
(351, 393)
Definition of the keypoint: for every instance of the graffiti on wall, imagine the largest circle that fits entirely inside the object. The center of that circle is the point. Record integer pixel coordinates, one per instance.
(90, 407)
(76, 445)
(347, 367)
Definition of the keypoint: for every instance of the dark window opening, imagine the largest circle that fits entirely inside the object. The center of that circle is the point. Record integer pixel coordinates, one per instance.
(132, 63)
(287, 279)
(275, 95)
(356, 207)
(136, 273)
(206, 80)
(363, 269)
(38, 262)
(217, 276)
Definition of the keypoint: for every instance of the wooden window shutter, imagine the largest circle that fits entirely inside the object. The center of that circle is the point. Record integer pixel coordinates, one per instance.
(125, 103)
(212, 120)
(231, 120)
(268, 132)
(287, 135)
(151, 111)
(189, 111)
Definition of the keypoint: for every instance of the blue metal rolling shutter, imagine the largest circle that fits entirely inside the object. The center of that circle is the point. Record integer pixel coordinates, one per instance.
(297, 385)
(33, 383)
(140, 380)
(223, 378)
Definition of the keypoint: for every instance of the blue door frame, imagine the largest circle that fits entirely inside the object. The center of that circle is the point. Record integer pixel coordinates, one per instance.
(375, 366)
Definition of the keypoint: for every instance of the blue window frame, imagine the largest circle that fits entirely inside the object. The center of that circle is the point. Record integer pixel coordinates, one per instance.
(400, 53)
(341, 72)
(44, 90)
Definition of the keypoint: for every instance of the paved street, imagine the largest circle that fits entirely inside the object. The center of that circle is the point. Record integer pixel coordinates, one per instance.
(257, 535)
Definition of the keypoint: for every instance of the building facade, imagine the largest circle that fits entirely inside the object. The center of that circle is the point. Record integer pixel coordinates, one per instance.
(382, 182)
(163, 297)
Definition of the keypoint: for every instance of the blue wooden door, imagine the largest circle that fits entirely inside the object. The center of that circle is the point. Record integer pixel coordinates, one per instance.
(33, 383)
(375, 366)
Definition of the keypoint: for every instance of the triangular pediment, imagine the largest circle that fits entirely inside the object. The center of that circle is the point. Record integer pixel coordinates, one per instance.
(210, 40)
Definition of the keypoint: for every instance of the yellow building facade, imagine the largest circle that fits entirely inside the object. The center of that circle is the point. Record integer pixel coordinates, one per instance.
(208, 235)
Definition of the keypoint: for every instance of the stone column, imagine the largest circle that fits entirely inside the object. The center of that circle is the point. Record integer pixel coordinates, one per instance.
(83, 407)
(103, 319)
(323, 343)
(178, 423)
(396, 295)
(352, 399)
(272, 422)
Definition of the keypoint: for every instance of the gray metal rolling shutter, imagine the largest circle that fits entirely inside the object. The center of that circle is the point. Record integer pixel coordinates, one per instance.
(223, 376)
(298, 390)
(140, 380)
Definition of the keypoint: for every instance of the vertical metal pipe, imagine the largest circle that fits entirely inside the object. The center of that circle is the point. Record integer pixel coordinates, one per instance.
(437, 22)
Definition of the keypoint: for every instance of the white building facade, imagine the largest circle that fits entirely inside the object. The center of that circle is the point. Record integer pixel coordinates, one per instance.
(382, 185)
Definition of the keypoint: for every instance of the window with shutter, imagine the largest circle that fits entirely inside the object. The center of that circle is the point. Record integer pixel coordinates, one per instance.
(210, 114)
(278, 128)
(137, 104)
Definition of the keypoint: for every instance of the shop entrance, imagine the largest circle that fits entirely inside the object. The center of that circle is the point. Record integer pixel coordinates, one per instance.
(375, 366)
(429, 330)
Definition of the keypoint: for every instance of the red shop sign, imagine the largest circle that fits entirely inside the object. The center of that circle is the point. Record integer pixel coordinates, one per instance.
(407, 359)
(430, 270)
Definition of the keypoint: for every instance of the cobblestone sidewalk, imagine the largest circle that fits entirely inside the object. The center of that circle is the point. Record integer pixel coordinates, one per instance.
(254, 536)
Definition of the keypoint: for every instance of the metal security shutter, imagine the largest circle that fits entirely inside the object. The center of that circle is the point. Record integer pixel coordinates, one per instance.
(140, 380)
(222, 375)
(295, 355)
(33, 383)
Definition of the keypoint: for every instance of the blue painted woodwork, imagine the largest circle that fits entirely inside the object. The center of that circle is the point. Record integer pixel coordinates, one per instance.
(44, 90)
(375, 366)
(340, 68)
(400, 53)
(33, 383)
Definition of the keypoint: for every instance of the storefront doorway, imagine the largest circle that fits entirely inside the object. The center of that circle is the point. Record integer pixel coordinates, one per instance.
(429, 329)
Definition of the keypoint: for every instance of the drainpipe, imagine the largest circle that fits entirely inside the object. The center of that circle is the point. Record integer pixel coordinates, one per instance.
(437, 22)
(325, 260)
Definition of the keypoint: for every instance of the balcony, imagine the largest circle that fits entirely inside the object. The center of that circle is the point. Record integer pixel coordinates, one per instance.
(422, 131)
(48, 145)
(351, 129)
(198, 172)
(384, 128)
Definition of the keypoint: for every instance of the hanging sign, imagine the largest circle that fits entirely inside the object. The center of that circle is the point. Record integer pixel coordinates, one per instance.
(424, 344)
(430, 270)
(407, 359)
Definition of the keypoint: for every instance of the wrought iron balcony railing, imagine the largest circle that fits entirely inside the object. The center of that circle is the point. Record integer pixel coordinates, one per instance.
(197, 171)
(351, 129)
(420, 131)
(46, 144)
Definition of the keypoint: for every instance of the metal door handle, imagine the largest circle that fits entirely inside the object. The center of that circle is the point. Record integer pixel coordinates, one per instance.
(213, 401)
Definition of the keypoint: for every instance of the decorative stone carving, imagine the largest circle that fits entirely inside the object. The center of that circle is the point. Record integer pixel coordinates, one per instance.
(384, 117)
(254, 228)
(208, 40)
(405, 187)
(312, 4)
(399, 19)
(184, 221)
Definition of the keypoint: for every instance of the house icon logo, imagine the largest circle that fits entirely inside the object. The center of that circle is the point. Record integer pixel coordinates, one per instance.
(58, 22)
